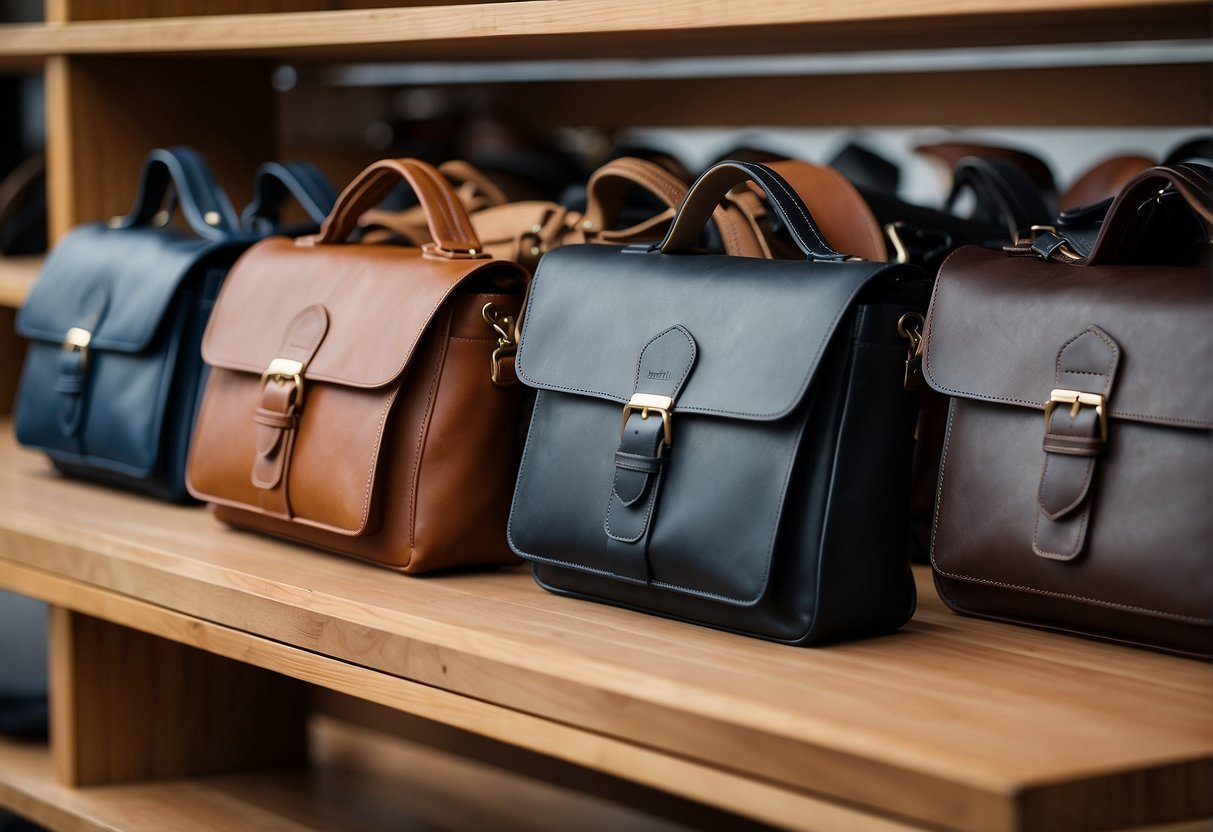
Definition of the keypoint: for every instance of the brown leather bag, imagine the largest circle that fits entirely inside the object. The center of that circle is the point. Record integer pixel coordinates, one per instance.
(362, 397)
(523, 231)
(1077, 470)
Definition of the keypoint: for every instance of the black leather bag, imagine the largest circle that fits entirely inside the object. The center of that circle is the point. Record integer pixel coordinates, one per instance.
(113, 371)
(723, 440)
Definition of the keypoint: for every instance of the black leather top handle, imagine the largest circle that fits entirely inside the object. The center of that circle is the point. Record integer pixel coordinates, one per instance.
(711, 187)
(274, 182)
(203, 203)
(1005, 194)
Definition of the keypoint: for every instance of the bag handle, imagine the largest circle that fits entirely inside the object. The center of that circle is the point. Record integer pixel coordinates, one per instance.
(712, 186)
(1192, 182)
(1005, 193)
(450, 228)
(472, 182)
(203, 203)
(606, 194)
(274, 182)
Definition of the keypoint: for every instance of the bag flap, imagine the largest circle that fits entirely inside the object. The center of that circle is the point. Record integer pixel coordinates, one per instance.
(997, 323)
(379, 299)
(116, 283)
(761, 326)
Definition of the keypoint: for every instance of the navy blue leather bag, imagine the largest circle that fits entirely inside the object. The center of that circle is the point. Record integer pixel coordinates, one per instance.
(114, 373)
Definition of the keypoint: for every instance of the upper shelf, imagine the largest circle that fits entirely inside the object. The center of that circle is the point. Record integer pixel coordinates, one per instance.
(605, 28)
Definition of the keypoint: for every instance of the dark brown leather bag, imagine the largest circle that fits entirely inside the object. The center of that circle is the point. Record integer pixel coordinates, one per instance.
(362, 397)
(1077, 472)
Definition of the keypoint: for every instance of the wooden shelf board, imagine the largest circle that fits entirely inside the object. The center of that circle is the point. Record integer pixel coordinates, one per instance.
(17, 275)
(588, 28)
(357, 779)
(952, 722)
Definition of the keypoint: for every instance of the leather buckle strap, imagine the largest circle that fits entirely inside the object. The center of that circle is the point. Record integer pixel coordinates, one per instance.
(664, 365)
(282, 370)
(1075, 437)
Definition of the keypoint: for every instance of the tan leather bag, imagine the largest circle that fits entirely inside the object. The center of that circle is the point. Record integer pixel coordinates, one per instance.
(362, 396)
(523, 231)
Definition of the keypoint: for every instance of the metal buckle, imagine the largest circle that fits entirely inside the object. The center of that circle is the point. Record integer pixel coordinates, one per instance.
(503, 328)
(435, 250)
(644, 402)
(77, 339)
(283, 369)
(892, 230)
(1076, 400)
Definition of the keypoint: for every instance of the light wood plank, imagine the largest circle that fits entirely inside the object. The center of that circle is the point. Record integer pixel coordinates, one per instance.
(130, 706)
(554, 28)
(357, 779)
(955, 722)
(707, 784)
(17, 276)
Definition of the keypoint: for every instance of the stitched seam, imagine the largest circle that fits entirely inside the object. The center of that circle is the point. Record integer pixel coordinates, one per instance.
(843, 308)
(1082, 491)
(425, 424)
(648, 512)
(1080, 537)
(370, 479)
(800, 208)
(1162, 614)
(943, 462)
(1107, 374)
(473, 340)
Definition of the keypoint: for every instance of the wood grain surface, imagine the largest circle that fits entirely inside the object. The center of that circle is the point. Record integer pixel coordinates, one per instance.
(952, 722)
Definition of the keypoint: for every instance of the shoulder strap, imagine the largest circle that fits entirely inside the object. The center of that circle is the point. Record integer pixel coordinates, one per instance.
(203, 203)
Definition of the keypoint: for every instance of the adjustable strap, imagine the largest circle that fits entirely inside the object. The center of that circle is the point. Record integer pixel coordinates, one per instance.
(71, 382)
(1075, 438)
(278, 411)
(646, 436)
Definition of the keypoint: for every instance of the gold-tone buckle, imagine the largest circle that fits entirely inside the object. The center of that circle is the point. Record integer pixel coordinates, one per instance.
(1076, 400)
(435, 250)
(893, 231)
(77, 340)
(644, 402)
(283, 369)
(503, 327)
(1064, 249)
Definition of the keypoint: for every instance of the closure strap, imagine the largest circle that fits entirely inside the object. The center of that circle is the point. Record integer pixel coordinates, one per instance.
(1075, 438)
(278, 411)
(274, 182)
(664, 365)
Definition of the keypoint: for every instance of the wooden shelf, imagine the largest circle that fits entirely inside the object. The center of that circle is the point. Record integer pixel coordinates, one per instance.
(357, 779)
(17, 275)
(534, 29)
(952, 723)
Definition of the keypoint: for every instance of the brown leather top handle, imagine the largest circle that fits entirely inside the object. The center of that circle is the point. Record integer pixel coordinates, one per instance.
(450, 228)
(1192, 183)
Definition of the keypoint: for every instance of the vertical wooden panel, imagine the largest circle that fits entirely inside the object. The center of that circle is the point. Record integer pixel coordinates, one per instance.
(130, 706)
(105, 114)
(12, 353)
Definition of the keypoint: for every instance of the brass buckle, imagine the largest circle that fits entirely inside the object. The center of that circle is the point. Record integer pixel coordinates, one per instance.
(435, 250)
(893, 231)
(645, 402)
(77, 340)
(283, 369)
(1076, 400)
(1065, 250)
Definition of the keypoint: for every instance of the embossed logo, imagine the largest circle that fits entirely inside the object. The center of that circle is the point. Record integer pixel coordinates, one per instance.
(659, 375)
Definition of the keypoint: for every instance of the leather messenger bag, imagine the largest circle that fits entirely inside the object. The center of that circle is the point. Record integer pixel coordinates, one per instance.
(723, 440)
(1077, 473)
(362, 396)
(113, 375)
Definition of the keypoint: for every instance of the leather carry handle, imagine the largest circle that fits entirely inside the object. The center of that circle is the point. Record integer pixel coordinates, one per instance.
(712, 186)
(606, 194)
(468, 176)
(1191, 182)
(1005, 193)
(274, 182)
(450, 228)
(203, 203)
